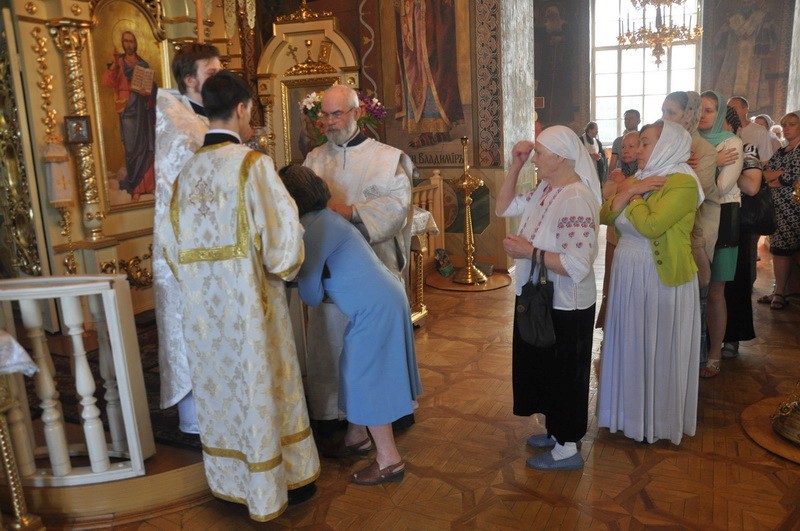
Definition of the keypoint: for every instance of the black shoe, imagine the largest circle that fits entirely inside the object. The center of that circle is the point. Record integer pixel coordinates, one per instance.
(301, 494)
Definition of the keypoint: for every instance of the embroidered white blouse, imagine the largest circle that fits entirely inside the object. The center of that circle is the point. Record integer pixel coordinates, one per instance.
(560, 220)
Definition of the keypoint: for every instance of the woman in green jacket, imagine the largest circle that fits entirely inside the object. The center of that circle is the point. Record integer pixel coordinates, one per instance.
(651, 347)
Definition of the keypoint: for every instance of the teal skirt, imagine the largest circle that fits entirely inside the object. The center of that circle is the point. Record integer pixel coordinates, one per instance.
(723, 268)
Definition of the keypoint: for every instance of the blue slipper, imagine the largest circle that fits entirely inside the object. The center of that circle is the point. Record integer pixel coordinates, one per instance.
(545, 461)
(541, 441)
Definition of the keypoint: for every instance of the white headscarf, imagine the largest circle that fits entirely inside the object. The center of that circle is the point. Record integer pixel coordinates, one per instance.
(670, 155)
(565, 143)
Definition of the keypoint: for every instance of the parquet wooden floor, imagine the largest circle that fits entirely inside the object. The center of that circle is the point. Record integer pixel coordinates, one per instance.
(466, 454)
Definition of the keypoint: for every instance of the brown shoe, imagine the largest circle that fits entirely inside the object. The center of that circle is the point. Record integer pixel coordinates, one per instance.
(339, 450)
(373, 475)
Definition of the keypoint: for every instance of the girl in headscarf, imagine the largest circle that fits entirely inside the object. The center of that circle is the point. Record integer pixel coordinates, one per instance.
(558, 219)
(651, 346)
(723, 264)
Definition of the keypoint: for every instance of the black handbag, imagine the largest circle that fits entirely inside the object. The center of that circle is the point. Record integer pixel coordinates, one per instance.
(758, 212)
(535, 306)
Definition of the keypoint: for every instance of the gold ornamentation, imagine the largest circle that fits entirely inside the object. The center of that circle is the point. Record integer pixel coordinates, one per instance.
(31, 8)
(22, 518)
(303, 14)
(268, 104)
(19, 226)
(309, 66)
(138, 277)
(45, 85)
(70, 38)
(665, 32)
(467, 184)
(65, 223)
(225, 252)
(76, 9)
(786, 420)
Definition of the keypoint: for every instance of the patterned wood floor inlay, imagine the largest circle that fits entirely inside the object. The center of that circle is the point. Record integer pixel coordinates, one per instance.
(466, 454)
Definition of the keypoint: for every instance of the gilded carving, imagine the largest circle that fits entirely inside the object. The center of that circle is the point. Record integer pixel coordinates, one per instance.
(45, 85)
(303, 14)
(76, 9)
(70, 39)
(138, 277)
(16, 211)
(31, 8)
(310, 66)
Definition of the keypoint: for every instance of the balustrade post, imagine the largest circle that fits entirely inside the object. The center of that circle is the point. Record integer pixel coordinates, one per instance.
(54, 433)
(84, 384)
(116, 424)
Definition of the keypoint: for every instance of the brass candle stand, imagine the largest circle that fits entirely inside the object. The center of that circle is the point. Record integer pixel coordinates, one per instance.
(467, 184)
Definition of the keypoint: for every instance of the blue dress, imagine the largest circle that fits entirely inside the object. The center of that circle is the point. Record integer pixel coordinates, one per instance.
(378, 375)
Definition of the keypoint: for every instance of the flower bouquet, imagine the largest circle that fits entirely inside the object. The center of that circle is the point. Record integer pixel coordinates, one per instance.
(372, 113)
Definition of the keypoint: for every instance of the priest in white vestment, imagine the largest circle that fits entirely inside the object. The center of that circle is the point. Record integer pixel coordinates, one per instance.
(370, 184)
(181, 125)
(235, 237)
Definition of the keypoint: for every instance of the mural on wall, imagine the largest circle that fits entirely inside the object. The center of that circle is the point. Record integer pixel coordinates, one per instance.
(556, 58)
(128, 68)
(747, 50)
(432, 111)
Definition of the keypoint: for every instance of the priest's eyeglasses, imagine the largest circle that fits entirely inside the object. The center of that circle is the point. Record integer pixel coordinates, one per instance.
(334, 116)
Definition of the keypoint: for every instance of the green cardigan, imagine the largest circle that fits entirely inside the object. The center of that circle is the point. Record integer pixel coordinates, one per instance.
(666, 218)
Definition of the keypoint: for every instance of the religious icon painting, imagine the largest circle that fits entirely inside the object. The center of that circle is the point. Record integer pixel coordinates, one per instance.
(432, 82)
(77, 129)
(128, 72)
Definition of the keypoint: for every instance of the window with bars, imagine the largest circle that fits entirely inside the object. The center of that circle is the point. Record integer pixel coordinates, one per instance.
(628, 77)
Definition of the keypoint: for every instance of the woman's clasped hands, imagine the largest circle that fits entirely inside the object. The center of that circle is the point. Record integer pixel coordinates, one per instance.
(634, 189)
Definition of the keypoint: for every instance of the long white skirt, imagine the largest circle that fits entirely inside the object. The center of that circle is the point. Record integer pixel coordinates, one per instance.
(651, 348)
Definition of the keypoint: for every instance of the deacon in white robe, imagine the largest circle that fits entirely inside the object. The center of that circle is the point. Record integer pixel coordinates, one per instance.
(180, 127)
(235, 238)
(371, 182)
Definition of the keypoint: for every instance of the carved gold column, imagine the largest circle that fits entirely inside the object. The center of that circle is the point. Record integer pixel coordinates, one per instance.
(70, 38)
(22, 518)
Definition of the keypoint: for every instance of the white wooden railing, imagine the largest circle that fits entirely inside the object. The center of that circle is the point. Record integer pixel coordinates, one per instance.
(129, 436)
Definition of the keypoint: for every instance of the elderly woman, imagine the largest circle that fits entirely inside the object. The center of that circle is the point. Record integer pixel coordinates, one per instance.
(627, 157)
(726, 251)
(560, 219)
(651, 346)
(782, 173)
(378, 370)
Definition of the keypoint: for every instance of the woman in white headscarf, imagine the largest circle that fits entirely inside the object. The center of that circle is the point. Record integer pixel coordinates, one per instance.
(559, 218)
(651, 346)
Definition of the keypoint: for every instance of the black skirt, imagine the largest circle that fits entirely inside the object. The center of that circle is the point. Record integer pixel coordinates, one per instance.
(554, 381)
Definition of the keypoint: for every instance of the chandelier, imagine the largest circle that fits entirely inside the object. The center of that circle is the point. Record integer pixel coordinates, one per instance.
(665, 32)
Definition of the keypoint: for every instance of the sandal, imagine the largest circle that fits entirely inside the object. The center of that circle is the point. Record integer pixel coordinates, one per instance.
(710, 370)
(778, 302)
(765, 299)
(374, 475)
(730, 350)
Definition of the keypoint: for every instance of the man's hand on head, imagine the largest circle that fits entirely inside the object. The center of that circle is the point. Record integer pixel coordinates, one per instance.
(346, 211)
